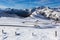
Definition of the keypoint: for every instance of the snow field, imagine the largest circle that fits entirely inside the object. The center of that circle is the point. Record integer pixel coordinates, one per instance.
(24, 33)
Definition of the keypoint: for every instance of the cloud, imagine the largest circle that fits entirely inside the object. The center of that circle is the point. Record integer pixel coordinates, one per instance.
(2, 6)
(42, 1)
(28, 3)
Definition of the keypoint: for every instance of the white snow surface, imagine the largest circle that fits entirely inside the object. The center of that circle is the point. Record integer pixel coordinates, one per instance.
(24, 29)
(35, 27)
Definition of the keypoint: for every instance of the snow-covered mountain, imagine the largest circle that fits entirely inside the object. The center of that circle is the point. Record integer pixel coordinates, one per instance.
(39, 15)
(36, 24)
(47, 12)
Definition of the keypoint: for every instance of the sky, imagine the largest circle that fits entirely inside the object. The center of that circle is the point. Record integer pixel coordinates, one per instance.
(23, 4)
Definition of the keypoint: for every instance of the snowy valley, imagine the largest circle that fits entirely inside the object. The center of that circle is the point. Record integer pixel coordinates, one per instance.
(40, 23)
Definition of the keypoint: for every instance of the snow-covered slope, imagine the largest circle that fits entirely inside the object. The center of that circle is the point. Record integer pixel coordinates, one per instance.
(37, 26)
(48, 13)
(37, 19)
(24, 33)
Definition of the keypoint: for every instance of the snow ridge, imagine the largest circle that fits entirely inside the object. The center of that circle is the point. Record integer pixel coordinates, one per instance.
(47, 12)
